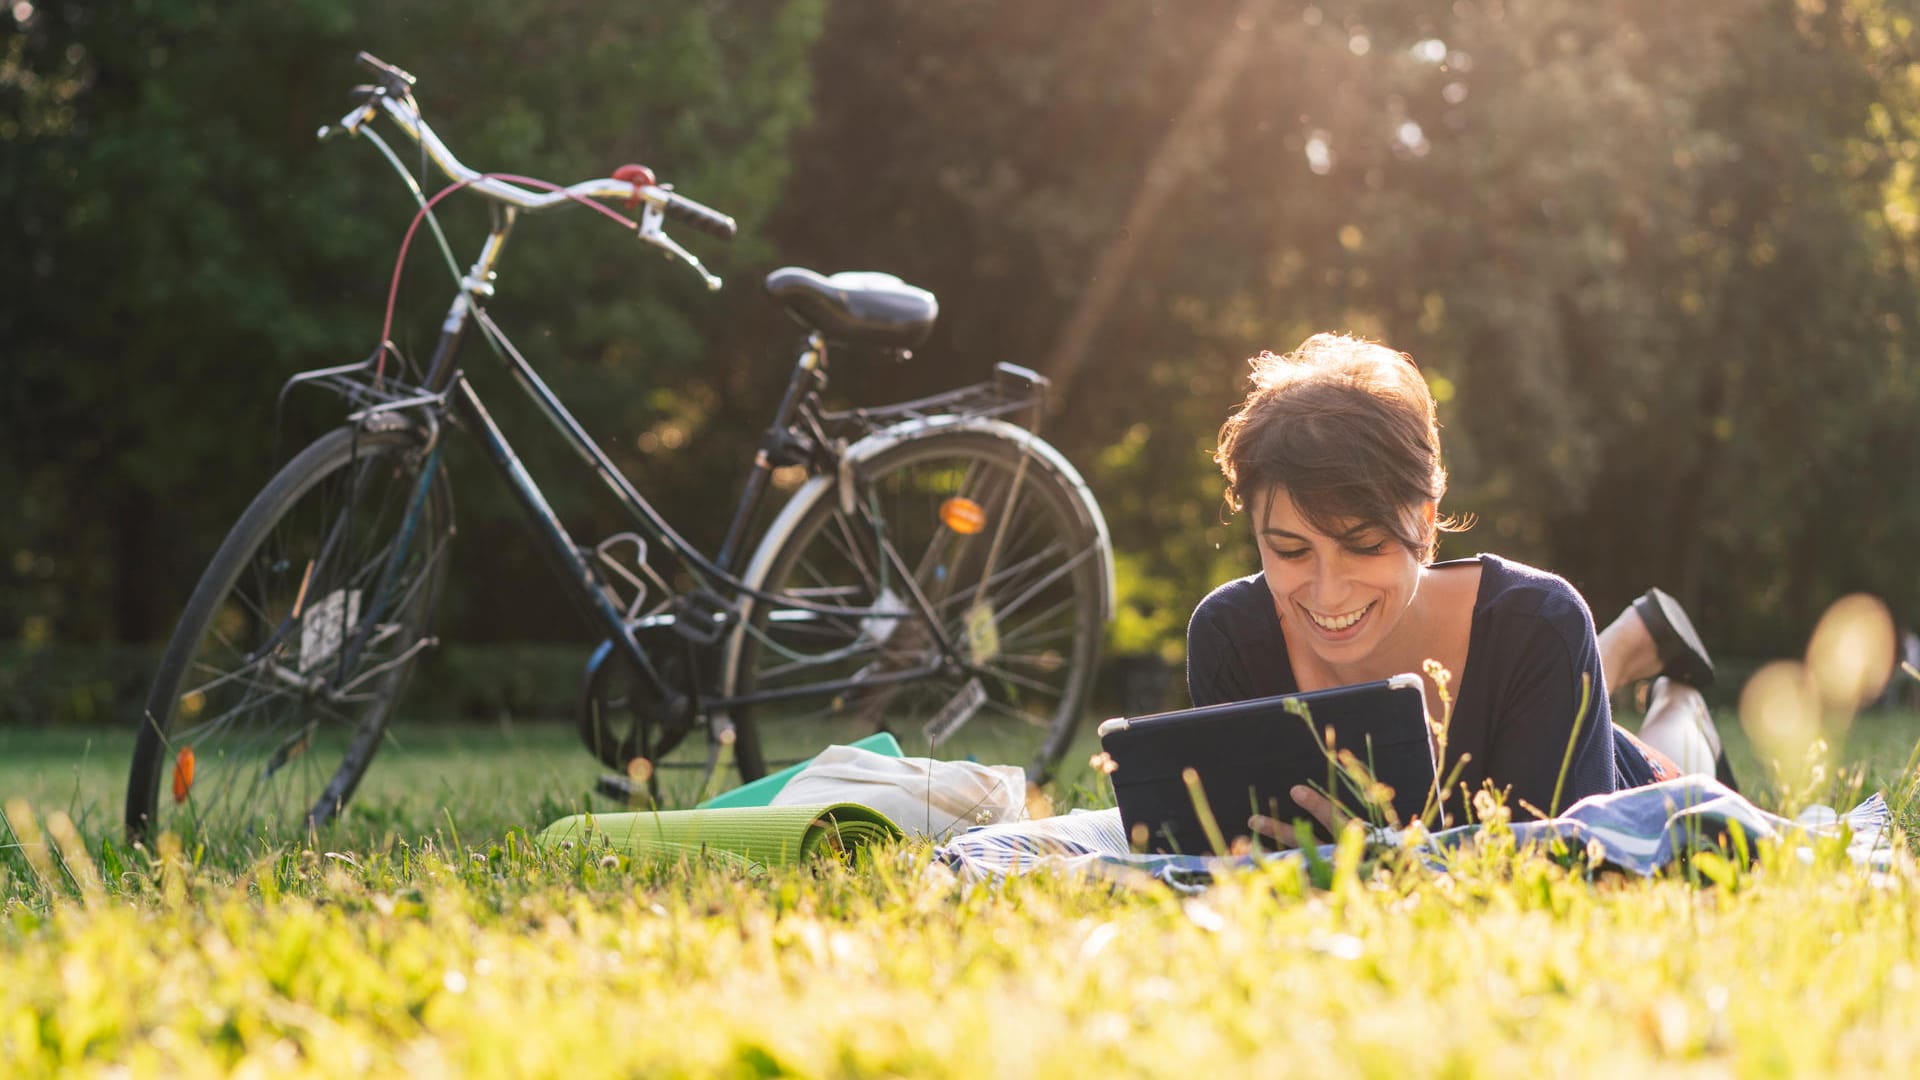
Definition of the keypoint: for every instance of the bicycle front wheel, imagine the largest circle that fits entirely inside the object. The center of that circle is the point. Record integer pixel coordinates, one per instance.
(972, 526)
(276, 687)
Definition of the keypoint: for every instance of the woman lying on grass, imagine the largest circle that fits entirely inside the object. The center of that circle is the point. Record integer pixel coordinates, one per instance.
(1335, 456)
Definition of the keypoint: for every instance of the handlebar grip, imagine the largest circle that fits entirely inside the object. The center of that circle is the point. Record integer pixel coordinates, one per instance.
(709, 221)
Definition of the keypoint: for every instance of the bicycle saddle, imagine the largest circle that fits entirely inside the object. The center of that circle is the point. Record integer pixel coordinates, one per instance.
(856, 306)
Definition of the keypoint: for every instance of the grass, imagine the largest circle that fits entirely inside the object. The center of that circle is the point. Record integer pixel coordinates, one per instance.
(427, 937)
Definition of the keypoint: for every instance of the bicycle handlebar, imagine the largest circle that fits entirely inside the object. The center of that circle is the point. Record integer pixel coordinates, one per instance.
(394, 97)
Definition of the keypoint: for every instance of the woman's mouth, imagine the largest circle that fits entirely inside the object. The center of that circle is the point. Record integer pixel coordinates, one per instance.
(1339, 626)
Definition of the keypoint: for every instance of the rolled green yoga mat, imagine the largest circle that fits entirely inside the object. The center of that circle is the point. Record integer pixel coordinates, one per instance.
(761, 835)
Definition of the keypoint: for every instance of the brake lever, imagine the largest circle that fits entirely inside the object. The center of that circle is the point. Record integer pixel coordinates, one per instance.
(393, 79)
(349, 124)
(368, 95)
(652, 230)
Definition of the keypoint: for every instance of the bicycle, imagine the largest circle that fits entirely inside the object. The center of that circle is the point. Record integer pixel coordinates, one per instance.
(942, 571)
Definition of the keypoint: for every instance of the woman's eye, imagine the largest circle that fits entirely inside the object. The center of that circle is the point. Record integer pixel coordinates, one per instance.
(1289, 554)
(1368, 549)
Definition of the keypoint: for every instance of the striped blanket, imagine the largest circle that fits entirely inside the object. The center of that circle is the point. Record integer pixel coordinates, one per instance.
(1639, 831)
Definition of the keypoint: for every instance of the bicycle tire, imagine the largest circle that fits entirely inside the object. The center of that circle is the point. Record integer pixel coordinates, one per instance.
(1031, 636)
(296, 662)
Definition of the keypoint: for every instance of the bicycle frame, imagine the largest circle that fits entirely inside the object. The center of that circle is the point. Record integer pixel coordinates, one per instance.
(718, 577)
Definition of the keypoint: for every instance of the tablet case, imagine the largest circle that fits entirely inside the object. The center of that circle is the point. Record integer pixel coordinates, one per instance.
(1247, 755)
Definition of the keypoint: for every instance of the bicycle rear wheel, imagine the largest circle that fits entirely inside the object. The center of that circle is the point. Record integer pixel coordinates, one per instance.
(277, 685)
(979, 529)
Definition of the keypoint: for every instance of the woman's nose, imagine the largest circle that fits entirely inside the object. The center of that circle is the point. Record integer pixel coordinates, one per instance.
(1331, 585)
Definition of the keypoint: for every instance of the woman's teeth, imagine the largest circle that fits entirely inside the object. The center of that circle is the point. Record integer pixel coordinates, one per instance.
(1337, 622)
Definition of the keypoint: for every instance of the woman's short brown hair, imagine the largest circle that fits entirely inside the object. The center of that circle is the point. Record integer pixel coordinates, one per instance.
(1348, 428)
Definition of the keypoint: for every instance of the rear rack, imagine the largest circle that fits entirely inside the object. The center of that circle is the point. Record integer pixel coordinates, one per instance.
(1012, 390)
(365, 387)
(377, 399)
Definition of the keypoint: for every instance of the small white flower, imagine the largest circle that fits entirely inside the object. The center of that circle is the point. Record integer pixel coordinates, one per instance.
(1204, 917)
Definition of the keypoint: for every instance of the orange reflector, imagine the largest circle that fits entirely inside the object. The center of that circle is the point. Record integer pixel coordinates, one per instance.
(182, 775)
(963, 515)
(639, 770)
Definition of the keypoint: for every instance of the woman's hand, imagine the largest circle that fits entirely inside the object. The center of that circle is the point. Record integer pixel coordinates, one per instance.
(1318, 806)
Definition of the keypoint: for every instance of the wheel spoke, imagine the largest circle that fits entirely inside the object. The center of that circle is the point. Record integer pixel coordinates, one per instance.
(1040, 586)
(850, 545)
(242, 674)
(1040, 627)
(1004, 675)
(255, 698)
(1011, 573)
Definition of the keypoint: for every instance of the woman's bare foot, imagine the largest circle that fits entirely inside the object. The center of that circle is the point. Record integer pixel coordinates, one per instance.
(1653, 636)
(1627, 651)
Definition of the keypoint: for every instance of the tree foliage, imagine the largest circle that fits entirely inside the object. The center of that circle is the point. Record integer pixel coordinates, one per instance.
(183, 244)
(1658, 261)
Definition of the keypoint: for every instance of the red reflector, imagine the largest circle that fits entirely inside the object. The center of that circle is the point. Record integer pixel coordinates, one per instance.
(182, 775)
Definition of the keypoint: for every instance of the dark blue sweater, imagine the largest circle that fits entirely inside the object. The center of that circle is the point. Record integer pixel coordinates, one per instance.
(1516, 705)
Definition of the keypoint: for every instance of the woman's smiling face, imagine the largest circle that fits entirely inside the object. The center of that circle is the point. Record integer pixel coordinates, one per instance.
(1339, 596)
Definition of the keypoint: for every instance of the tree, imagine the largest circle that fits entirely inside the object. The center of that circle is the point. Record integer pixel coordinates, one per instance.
(1612, 234)
(181, 244)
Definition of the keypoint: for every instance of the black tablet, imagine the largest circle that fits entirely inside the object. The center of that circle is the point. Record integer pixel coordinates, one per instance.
(1247, 756)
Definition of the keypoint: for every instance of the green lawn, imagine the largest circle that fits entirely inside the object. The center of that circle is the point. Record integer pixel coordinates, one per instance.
(488, 779)
(495, 777)
(394, 948)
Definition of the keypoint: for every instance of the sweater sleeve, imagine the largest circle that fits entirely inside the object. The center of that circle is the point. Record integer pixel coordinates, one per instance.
(1552, 699)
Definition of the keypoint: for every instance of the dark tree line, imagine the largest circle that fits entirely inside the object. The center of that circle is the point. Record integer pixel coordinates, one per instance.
(1657, 260)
